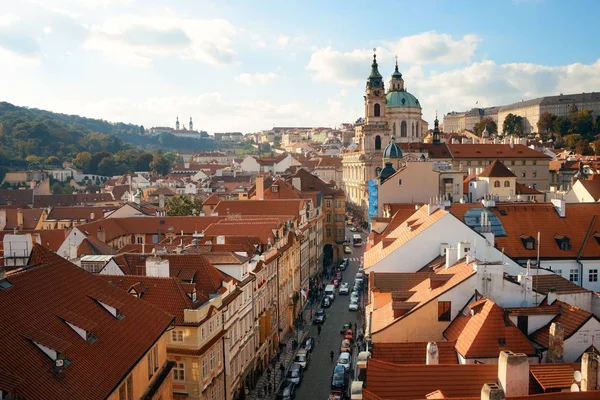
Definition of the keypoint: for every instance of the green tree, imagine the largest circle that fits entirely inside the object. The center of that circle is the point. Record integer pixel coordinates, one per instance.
(596, 146)
(83, 160)
(33, 159)
(582, 122)
(96, 159)
(545, 124)
(183, 206)
(513, 125)
(52, 160)
(571, 141)
(561, 125)
(107, 167)
(583, 147)
(488, 123)
(142, 162)
(160, 165)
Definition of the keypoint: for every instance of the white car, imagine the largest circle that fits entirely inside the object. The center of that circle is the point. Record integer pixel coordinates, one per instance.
(345, 360)
(354, 297)
(301, 358)
(353, 306)
(345, 288)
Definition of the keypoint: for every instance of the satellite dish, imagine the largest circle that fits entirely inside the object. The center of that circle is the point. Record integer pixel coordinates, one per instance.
(574, 388)
(577, 376)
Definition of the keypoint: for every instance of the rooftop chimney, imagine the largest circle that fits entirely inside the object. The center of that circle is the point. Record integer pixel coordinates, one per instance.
(551, 296)
(589, 372)
(513, 373)
(451, 257)
(432, 356)
(491, 391)
(156, 266)
(260, 187)
(20, 219)
(556, 343)
(101, 235)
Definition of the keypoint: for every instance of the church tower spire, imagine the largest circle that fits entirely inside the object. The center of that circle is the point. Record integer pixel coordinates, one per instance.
(177, 123)
(436, 130)
(191, 124)
(396, 81)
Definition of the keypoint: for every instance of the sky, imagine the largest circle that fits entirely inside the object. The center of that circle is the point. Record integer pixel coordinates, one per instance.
(251, 65)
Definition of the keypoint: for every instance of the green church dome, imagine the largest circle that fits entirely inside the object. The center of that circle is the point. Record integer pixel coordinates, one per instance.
(392, 150)
(401, 99)
(386, 172)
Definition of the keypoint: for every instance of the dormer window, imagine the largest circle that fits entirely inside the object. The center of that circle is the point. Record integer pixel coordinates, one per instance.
(563, 242)
(112, 306)
(275, 188)
(528, 242)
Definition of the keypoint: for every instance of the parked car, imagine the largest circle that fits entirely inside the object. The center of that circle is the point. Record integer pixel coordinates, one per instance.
(345, 288)
(319, 317)
(330, 291)
(346, 346)
(302, 358)
(347, 250)
(353, 229)
(326, 302)
(287, 391)
(338, 275)
(345, 360)
(354, 297)
(294, 374)
(339, 378)
(308, 344)
(357, 287)
(336, 283)
(353, 306)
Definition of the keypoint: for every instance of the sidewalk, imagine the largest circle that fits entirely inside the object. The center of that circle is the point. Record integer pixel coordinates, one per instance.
(286, 357)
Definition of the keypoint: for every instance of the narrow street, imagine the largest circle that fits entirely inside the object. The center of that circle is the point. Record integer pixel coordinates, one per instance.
(317, 378)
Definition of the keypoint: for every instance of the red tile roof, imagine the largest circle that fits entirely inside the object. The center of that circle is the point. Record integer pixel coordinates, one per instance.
(413, 352)
(79, 213)
(35, 306)
(547, 282)
(570, 317)
(592, 187)
(400, 382)
(553, 376)
(496, 151)
(168, 294)
(497, 170)
(260, 207)
(482, 330)
(524, 189)
(192, 268)
(212, 200)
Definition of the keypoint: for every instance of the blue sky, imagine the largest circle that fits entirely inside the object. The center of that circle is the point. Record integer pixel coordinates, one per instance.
(252, 65)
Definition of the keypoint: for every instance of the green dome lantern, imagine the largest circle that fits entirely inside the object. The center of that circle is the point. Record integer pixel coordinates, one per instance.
(392, 150)
(386, 172)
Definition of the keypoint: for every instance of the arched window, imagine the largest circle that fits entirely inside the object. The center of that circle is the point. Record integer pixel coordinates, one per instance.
(403, 129)
(413, 129)
(506, 184)
(377, 110)
(377, 142)
(496, 183)
(394, 129)
(418, 131)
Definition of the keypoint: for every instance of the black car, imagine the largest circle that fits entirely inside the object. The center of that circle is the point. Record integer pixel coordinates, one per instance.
(339, 379)
(319, 317)
(294, 374)
(308, 344)
(287, 391)
(326, 302)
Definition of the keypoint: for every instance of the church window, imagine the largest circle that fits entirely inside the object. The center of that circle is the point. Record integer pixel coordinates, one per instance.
(394, 129)
(506, 184)
(496, 183)
(377, 110)
(377, 142)
(403, 129)
(417, 133)
(413, 129)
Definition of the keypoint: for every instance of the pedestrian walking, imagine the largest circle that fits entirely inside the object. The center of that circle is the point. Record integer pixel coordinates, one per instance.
(355, 327)
(319, 329)
(269, 374)
(282, 369)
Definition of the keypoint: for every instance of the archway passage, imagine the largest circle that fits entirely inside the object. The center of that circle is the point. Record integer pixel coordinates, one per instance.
(327, 254)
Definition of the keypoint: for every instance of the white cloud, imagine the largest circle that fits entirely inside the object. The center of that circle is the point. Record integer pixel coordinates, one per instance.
(351, 67)
(47, 30)
(8, 19)
(134, 39)
(492, 84)
(283, 40)
(432, 47)
(13, 60)
(259, 78)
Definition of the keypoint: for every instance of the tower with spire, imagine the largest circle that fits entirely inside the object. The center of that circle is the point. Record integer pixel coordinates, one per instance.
(374, 131)
(191, 124)
(436, 130)
(177, 123)
(396, 81)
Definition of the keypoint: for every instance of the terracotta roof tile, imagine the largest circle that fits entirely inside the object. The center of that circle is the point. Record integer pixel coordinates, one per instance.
(553, 376)
(592, 187)
(539, 310)
(524, 189)
(78, 213)
(413, 352)
(399, 382)
(546, 282)
(396, 281)
(570, 317)
(39, 293)
(260, 207)
(497, 151)
(497, 170)
(482, 330)
(31, 217)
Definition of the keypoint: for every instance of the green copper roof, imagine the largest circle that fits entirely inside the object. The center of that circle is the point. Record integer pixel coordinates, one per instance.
(401, 99)
(392, 150)
(396, 75)
(386, 172)
(374, 69)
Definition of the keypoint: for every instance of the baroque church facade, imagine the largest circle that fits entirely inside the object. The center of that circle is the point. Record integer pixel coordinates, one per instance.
(395, 116)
